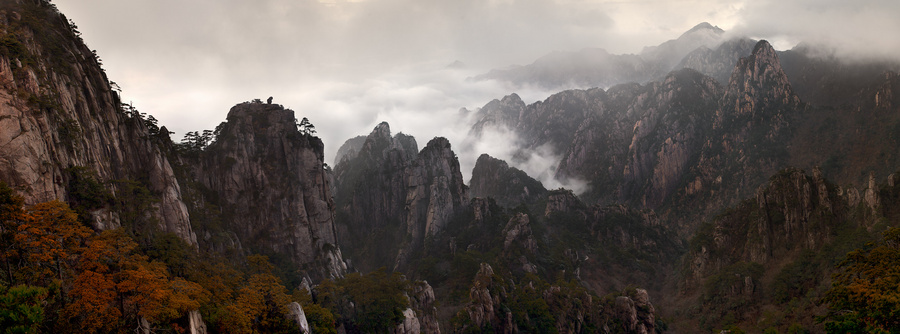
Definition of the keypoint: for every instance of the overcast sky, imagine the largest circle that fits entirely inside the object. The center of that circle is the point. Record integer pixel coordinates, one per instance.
(348, 65)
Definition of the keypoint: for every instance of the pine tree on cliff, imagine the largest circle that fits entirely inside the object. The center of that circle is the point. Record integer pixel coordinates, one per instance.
(306, 128)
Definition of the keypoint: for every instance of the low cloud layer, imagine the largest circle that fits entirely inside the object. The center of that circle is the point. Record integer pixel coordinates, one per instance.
(349, 64)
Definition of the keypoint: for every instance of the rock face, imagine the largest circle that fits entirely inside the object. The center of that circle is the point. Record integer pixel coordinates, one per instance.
(794, 210)
(509, 186)
(59, 111)
(422, 302)
(270, 182)
(297, 316)
(195, 323)
(518, 232)
(390, 197)
(636, 312)
(484, 308)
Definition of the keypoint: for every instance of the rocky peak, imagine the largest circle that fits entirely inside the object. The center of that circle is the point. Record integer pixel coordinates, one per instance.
(758, 85)
(503, 113)
(704, 26)
(436, 189)
(562, 200)
(271, 183)
(390, 188)
(509, 186)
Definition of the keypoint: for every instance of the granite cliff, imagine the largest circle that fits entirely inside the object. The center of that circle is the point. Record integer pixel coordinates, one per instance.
(62, 124)
(391, 197)
(270, 185)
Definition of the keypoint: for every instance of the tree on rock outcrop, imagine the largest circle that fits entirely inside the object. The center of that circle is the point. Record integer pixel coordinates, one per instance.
(306, 128)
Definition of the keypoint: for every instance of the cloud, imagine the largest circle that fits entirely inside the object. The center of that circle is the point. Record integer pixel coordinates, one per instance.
(854, 29)
(347, 65)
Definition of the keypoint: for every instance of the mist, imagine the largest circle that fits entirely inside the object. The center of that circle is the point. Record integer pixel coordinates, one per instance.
(349, 64)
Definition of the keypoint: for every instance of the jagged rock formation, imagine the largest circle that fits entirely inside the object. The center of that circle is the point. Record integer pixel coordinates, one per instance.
(421, 316)
(483, 309)
(396, 194)
(59, 111)
(509, 186)
(779, 246)
(636, 312)
(518, 231)
(566, 309)
(686, 141)
(794, 210)
(269, 181)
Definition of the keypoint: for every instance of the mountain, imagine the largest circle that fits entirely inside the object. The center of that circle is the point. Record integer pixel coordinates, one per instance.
(662, 144)
(270, 188)
(597, 68)
(725, 195)
(509, 186)
(397, 194)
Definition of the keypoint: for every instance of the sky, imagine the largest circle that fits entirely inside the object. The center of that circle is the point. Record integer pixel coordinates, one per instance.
(347, 65)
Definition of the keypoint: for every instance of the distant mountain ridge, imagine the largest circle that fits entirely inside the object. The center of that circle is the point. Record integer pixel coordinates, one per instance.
(593, 67)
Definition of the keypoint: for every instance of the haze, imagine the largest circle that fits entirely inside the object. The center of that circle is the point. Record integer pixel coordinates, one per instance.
(348, 65)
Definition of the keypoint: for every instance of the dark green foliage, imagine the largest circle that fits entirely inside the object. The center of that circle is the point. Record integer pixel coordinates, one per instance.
(797, 278)
(69, 132)
(85, 192)
(22, 308)
(306, 128)
(728, 293)
(371, 303)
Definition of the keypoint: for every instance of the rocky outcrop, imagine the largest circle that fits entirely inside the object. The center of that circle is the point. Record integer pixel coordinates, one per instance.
(390, 197)
(507, 185)
(423, 303)
(58, 111)
(409, 325)
(483, 309)
(270, 181)
(794, 210)
(436, 189)
(503, 114)
(421, 315)
(195, 323)
(298, 317)
(518, 231)
(636, 313)
(562, 201)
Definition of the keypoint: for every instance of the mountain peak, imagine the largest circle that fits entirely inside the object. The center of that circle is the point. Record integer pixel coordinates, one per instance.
(763, 48)
(705, 26)
(382, 130)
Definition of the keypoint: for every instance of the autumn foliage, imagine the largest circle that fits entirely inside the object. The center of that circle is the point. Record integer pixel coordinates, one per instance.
(61, 276)
(865, 295)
